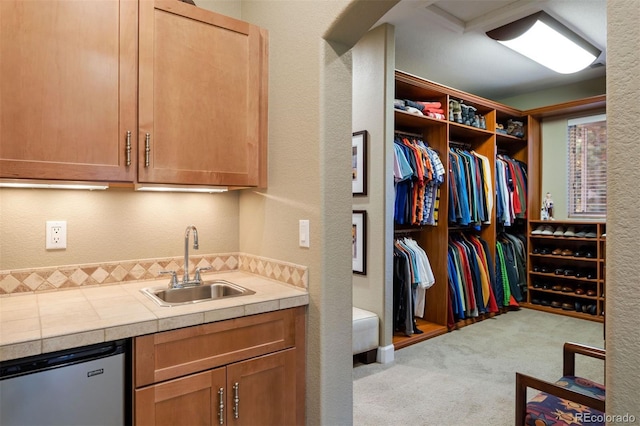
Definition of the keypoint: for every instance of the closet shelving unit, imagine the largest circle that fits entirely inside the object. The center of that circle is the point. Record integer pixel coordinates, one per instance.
(440, 135)
(590, 105)
(546, 286)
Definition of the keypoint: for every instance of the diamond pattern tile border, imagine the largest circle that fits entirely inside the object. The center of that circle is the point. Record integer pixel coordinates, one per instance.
(74, 276)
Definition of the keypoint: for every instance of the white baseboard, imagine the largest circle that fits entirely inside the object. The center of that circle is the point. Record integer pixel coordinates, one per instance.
(385, 354)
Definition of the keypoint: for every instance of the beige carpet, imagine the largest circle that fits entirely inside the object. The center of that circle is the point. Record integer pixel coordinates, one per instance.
(467, 377)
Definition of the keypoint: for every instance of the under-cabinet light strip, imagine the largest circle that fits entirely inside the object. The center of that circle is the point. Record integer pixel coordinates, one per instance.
(33, 184)
(178, 188)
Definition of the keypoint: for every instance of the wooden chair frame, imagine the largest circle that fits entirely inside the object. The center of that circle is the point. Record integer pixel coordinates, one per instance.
(570, 350)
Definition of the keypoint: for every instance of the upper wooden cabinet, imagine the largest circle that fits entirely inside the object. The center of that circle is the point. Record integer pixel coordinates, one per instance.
(67, 89)
(184, 87)
(203, 97)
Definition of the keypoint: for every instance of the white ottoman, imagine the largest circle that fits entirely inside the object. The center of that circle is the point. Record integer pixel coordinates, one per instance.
(365, 335)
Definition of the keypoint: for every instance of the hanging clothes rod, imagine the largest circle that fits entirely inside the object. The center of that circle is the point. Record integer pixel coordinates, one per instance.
(413, 135)
(461, 145)
(405, 232)
(461, 229)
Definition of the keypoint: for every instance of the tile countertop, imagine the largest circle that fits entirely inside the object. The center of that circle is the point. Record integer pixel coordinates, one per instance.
(43, 322)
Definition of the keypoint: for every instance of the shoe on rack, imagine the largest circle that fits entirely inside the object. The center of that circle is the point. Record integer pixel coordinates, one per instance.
(559, 232)
(538, 230)
(591, 293)
(581, 233)
(548, 230)
(567, 252)
(556, 288)
(569, 273)
(559, 271)
(579, 291)
(570, 232)
(557, 252)
(566, 289)
(556, 304)
(545, 250)
(568, 306)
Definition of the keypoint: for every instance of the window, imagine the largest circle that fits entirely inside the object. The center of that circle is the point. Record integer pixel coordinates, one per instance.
(587, 161)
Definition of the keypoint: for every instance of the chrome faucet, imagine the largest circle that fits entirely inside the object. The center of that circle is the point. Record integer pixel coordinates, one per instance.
(185, 279)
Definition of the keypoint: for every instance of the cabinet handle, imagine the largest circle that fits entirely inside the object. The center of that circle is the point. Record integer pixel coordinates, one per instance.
(236, 401)
(128, 148)
(221, 406)
(147, 149)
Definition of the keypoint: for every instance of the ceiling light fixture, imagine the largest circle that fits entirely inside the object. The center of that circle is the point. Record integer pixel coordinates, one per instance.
(180, 188)
(45, 184)
(548, 42)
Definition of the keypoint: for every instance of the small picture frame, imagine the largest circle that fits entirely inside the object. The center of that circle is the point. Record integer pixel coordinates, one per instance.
(359, 242)
(359, 163)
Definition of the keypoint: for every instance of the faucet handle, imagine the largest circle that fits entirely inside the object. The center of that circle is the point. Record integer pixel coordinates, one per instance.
(174, 278)
(197, 277)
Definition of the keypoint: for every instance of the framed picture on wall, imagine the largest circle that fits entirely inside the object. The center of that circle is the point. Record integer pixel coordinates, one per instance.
(359, 163)
(359, 242)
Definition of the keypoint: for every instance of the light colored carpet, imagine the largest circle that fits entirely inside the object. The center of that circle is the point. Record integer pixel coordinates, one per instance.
(467, 377)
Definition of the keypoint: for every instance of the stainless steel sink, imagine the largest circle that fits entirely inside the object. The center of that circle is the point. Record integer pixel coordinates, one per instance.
(208, 290)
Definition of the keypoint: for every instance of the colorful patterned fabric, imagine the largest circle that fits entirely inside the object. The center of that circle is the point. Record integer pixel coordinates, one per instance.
(549, 410)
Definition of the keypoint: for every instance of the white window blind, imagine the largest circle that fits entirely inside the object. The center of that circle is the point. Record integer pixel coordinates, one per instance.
(587, 163)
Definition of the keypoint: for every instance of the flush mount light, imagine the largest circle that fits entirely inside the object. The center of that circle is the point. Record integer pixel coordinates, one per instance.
(46, 184)
(548, 42)
(179, 188)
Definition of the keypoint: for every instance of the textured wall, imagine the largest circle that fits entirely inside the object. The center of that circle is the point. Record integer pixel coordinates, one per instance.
(309, 177)
(623, 212)
(111, 225)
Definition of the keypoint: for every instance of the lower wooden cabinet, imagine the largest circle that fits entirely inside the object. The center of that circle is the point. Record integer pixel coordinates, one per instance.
(267, 389)
(189, 400)
(257, 391)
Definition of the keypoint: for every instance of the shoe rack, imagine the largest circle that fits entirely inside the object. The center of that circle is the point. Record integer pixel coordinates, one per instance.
(566, 268)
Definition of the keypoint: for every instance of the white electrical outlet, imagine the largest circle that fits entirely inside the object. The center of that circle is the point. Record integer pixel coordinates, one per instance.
(56, 235)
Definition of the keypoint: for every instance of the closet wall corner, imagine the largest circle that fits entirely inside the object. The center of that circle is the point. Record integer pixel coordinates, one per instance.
(372, 83)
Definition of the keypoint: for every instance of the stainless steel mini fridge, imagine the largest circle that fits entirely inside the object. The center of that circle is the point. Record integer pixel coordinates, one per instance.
(84, 386)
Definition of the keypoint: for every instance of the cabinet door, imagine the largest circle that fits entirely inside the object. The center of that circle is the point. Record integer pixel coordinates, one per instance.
(202, 99)
(190, 401)
(263, 390)
(68, 89)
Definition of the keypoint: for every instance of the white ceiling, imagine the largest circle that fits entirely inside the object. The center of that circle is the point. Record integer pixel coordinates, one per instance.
(445, 41)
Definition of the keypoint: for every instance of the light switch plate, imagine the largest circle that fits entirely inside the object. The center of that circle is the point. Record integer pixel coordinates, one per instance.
(304, 233)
